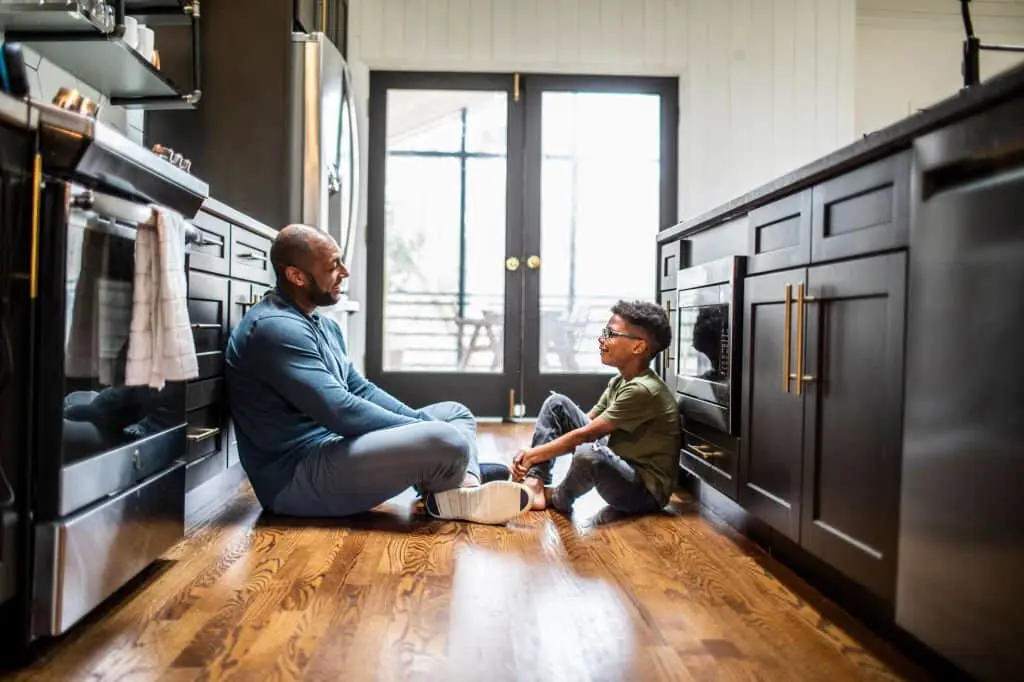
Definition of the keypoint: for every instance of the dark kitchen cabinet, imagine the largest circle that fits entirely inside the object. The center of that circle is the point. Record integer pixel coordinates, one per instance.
(823, 372)
(772, 422)
(864, 211)
(669, 262)
(666, 360)
(780, 234)
(307, 15)
(853, 417)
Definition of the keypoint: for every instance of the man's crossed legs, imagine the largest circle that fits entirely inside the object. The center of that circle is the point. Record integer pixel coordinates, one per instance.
(439, 458)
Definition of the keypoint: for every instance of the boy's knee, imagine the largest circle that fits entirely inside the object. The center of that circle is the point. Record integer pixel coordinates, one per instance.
(587, 455)
(556, 401)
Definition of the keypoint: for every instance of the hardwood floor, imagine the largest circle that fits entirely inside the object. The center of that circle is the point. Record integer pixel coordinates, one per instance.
(392, 595)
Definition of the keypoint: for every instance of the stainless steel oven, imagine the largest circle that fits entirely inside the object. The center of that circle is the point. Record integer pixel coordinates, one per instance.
(707, 368)
(101, 482)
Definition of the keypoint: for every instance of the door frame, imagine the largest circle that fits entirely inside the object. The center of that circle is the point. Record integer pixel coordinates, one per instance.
(487, 394)
(520, 381)
(584, 389)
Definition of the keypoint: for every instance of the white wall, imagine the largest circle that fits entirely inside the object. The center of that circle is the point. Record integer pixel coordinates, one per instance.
(909, 53)
(765, 85)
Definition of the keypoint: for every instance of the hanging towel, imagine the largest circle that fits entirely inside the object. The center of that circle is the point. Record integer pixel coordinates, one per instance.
(160, 345)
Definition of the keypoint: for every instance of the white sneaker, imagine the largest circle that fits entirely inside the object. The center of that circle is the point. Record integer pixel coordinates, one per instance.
(492, 503)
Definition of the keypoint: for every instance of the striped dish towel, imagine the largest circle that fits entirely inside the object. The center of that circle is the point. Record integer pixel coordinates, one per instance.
(160, 345)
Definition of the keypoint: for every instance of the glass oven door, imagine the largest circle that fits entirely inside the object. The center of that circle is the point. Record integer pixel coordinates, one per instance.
(101, 435)
(703, 343)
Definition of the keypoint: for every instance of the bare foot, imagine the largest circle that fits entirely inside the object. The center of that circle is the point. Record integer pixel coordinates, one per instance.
(536, 487)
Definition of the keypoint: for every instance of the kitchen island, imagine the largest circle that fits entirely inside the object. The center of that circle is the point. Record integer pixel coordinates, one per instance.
(879, 395)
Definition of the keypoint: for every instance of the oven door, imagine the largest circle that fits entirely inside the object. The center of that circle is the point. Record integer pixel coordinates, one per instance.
(96, 436)
(703, 354)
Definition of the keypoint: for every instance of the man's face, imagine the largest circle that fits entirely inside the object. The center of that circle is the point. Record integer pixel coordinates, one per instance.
(321, 283)
(620, 341)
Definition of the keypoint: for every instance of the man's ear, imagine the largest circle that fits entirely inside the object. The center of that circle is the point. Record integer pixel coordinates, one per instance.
(295, 276)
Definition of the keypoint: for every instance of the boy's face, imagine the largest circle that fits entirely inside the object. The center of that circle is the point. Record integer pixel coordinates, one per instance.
(620, 342)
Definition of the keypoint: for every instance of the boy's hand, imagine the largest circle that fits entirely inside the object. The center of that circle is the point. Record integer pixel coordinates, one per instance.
(521, 464)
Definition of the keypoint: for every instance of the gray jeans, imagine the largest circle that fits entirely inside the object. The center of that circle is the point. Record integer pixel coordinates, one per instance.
(594, 465)
(351, 475)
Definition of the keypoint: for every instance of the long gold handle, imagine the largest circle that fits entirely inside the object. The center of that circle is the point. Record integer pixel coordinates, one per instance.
(787, 338)
(37, 188)
(668, 351)
(801, 306)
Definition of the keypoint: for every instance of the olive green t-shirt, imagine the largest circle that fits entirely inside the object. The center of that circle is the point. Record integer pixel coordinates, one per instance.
(647, 430)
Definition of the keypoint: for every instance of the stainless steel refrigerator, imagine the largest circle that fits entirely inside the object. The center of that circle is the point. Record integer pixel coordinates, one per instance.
(323, 164)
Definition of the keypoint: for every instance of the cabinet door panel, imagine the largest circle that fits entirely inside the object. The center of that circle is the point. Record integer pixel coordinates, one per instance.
(771, 459)
(852, 420)
(666, 360)
(780, 234)
(864, 211)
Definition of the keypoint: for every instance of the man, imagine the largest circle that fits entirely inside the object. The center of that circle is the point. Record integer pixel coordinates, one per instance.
(627, 446)
(318, 439)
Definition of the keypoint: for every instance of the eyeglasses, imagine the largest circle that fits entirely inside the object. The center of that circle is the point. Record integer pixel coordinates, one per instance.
(608, 333)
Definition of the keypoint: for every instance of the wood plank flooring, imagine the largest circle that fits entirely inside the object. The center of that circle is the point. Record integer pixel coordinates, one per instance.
(393, 595)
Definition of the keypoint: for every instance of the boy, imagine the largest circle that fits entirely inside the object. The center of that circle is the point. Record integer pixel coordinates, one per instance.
(627, 446)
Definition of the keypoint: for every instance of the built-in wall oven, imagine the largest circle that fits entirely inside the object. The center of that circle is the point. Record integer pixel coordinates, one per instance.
(101, 484)
(707, 367)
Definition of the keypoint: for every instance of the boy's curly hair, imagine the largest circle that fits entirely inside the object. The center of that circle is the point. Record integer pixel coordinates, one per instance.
(650, 317)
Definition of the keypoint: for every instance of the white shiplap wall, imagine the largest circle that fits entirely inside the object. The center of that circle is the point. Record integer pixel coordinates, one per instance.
(765, 85)
(909, 53)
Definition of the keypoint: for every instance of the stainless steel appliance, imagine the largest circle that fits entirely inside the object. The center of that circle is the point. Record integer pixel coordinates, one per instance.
(707, 367)
(961, 539)
(101, 484)
(323, 167)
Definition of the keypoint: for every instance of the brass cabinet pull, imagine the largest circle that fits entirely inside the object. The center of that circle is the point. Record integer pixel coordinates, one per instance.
(706, 451)
(801, 306)
(511, 263)
(533, 262)
(202, 434)
(787, 338)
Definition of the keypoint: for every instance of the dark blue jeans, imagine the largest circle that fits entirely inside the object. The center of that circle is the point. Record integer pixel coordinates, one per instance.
(594, 465)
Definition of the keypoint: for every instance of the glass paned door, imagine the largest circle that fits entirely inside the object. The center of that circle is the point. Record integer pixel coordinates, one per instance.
(601, 169)
(439, 315)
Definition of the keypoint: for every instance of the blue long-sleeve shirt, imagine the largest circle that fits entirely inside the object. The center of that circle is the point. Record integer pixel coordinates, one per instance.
(291, 388)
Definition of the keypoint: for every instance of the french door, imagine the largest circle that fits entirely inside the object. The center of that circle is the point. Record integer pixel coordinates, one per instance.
(507, 214)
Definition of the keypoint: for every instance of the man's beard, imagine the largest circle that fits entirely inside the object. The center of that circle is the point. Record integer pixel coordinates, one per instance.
(321, 297)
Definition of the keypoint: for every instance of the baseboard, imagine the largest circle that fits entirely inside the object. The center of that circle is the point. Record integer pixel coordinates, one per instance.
(866, 616)
(207, 499)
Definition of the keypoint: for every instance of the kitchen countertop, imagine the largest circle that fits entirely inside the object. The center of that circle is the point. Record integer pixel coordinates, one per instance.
(872, 146)
(211, 205)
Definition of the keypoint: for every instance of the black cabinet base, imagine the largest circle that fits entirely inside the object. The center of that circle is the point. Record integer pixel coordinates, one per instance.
(825, 588)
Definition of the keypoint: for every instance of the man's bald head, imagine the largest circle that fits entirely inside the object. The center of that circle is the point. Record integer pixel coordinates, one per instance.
(296, 246)
(308, 266)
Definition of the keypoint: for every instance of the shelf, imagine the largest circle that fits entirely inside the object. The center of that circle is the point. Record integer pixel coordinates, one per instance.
(107, 64)
(55, 17)
(158, 12)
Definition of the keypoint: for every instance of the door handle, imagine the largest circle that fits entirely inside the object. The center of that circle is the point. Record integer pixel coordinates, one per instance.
(533, 262)
(205, 325)
(801, 306)
(787, 339)
(511, 263)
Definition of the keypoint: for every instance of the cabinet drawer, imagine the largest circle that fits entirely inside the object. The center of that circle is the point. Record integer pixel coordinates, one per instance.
(201, 470)
(212, 253)
(205, 431)
(862, 212)
(208, 311)
(203, 393)
(780, 234)
(250, 256)
(669, 263)
(711, 457)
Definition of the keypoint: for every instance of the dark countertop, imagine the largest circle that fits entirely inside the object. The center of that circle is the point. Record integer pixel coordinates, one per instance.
(215, 207)
(872, 146)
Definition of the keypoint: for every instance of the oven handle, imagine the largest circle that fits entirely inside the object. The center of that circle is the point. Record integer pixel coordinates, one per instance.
(125, 211)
